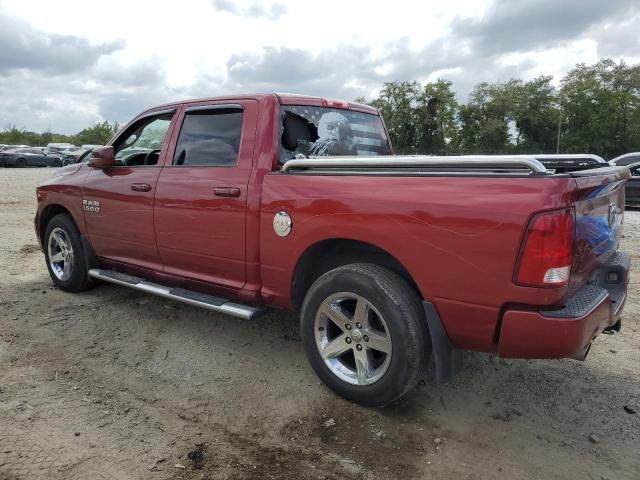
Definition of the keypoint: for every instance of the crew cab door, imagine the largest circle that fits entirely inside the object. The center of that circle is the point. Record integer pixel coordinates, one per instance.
(118, 200)
(201, 197)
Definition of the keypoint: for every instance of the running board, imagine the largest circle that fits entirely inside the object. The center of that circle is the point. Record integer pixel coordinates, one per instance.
(217, 304)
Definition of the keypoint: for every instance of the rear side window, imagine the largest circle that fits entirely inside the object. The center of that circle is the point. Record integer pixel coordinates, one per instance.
(209, 138)
(330, 132)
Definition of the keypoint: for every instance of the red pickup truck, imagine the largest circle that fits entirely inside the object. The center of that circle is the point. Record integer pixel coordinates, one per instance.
(395, 263)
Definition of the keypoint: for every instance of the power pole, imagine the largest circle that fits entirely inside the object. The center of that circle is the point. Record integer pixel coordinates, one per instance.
(559, 124)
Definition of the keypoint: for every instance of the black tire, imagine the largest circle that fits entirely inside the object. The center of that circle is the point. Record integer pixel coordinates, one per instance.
(57, 163)
(404, 316)
(79, 279)
(21, 163)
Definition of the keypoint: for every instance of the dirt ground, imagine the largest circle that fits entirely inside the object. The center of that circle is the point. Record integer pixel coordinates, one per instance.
(115, 384)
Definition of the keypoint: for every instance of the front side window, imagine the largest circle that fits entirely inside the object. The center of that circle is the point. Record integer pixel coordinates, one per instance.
(209, 138)
(141, 144)
(325, 132)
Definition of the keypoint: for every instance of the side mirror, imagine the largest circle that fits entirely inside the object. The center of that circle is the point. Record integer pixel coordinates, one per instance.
(102, 157)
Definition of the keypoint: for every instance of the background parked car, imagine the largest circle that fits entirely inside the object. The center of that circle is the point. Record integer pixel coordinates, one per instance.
(75, 154)
(83, 157)
(56, 148)
(626, 159)
(9, 147)
(28, 157)
(71, 154)
(632, 189)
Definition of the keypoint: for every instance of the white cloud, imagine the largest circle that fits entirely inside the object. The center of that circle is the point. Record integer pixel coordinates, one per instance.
(108, 62)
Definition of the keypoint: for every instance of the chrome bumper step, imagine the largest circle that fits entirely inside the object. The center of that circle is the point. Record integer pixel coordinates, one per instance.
(202, 300)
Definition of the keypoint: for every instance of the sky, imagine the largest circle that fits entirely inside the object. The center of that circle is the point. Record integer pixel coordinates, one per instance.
(67, 64)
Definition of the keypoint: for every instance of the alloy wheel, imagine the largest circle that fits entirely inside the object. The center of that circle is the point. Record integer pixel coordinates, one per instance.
(353, 339)
(60, 254)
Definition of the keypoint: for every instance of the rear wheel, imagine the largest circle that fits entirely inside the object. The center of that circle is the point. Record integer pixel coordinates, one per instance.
(365, 334)
(57, 163)
(64, 255)
(21, 163)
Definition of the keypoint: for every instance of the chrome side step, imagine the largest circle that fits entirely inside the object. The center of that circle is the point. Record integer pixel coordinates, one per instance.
(217, 304)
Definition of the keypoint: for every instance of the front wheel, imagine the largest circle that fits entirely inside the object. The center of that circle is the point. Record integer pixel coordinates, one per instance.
(21, 163)
(57, 163)
(64, 255)
(365, 333)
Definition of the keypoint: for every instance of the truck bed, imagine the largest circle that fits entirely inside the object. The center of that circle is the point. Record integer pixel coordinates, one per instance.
(456, 225)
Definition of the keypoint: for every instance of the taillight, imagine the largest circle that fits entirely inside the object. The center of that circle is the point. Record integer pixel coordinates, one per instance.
(546, 254)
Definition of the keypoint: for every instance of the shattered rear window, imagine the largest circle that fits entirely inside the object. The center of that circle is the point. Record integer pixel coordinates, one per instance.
(323, 131)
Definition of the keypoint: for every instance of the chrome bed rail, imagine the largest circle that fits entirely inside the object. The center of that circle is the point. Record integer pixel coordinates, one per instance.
(567, 156)
(422, 164)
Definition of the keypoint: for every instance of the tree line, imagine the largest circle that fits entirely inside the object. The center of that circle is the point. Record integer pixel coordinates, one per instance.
(98, 134)
(595, 109)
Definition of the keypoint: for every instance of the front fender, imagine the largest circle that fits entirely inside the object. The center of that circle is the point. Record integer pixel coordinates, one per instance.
(62, 192)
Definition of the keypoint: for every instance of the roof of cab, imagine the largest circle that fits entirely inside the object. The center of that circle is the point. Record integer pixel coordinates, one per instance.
(282, 98)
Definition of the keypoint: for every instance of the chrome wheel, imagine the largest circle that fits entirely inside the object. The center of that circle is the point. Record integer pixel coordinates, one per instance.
(353, 339)
(60, 254)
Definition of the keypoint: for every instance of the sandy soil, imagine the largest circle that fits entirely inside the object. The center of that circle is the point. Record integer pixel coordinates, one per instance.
(112, 383)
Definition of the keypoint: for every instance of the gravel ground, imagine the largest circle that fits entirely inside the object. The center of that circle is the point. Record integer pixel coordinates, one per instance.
(115, 384)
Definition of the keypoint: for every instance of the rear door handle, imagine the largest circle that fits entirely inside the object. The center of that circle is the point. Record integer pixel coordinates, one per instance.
(140, 187)
(226, 192)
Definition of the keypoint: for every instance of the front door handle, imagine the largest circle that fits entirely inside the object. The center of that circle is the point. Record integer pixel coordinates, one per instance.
(226, 192)
(140, 187)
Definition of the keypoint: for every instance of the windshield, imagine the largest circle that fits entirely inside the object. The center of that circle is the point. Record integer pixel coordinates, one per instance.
(324, 132)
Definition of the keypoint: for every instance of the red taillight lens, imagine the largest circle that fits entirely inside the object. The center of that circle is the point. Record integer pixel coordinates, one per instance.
(547, 251)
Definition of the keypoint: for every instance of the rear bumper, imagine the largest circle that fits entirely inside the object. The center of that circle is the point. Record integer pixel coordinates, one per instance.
(567, 332)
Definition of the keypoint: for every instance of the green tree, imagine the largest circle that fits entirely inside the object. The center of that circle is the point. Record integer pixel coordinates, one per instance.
(510, 117)
(99, 134)
(397, 102)
(534, 111)
(436, 114)
(484, 120)
(13, 135)
(601, 108)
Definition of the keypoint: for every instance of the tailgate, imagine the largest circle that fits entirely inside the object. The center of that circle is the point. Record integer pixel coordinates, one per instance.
(599, 209)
